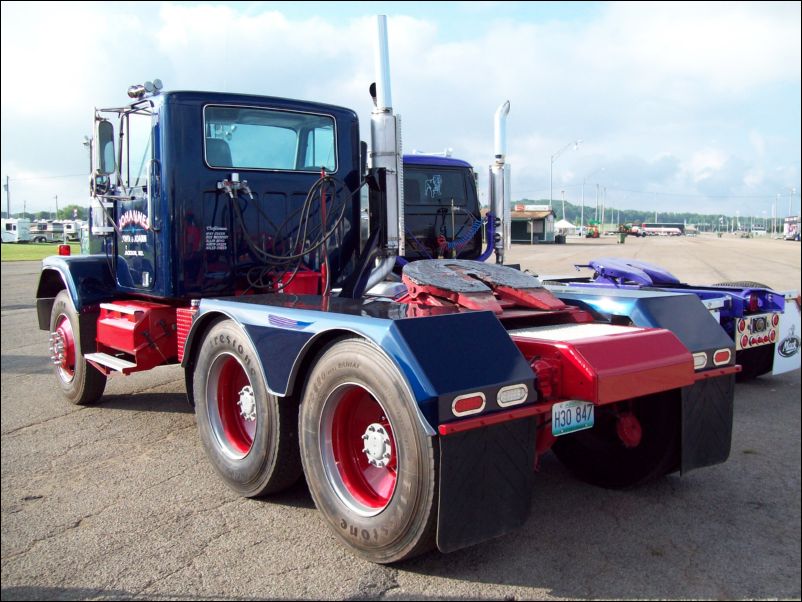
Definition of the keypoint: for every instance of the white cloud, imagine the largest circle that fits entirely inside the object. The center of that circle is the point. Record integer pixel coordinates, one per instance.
(651, 88)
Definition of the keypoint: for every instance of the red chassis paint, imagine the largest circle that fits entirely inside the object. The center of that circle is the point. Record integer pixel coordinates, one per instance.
(144, 331)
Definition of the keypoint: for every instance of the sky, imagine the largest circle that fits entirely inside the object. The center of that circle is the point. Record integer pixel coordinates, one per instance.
(678, 106)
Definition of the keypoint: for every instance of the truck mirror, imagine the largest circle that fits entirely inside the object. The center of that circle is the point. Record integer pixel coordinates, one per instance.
(104, 147)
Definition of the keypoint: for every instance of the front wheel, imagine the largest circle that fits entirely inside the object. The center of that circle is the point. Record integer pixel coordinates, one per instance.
(369, 465)
(249, 434)
(633, 442)
(80, 382)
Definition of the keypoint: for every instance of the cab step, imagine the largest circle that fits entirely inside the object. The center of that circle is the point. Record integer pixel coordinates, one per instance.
(110, 361)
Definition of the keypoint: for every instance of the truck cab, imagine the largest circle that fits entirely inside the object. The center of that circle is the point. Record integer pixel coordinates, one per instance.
(204, 189)
(441, 208)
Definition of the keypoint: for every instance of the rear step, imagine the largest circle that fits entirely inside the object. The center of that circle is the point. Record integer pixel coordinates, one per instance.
(110, 361)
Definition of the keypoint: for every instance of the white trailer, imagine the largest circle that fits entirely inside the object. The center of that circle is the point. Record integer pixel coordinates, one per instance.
(16, 230)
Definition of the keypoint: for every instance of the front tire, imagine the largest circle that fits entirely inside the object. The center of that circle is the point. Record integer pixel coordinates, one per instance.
(601, 457)
(369, 465)
(80, 382)
(249, 435)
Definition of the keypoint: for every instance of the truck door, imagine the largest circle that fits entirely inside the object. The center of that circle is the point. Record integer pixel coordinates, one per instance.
(136, 242)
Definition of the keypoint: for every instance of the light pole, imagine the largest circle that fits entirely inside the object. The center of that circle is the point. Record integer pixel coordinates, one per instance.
(585, 179)
(774, 215)
(790, 197)
(563, 197)
(554, 157)
(56, 197)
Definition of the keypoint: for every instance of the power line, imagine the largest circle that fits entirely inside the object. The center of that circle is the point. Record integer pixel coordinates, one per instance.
(74, 175)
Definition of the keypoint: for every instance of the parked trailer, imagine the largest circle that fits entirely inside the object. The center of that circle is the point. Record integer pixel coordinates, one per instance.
(416, 421)
(47, 231)
(16, 230)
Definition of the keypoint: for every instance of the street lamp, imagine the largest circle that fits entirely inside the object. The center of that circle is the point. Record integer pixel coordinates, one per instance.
(582, 219)
(554, 157)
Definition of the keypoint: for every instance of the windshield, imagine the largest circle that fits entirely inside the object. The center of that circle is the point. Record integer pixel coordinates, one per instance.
(253, 138)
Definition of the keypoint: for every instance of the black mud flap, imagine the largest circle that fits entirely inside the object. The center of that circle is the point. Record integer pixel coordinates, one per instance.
(707, 409)
(486, 477)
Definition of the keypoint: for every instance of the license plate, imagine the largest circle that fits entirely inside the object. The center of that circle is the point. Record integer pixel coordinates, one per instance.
(571, 416)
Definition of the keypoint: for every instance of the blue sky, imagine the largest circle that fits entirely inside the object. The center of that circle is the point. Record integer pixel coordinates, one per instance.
(686, 106)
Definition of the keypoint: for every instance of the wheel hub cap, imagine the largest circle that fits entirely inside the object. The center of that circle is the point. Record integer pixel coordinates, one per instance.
(378, 448)
(247, 403)
(57, 349)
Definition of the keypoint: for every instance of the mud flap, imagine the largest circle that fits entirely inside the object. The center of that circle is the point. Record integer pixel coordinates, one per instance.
(486, 477)
(707, 409)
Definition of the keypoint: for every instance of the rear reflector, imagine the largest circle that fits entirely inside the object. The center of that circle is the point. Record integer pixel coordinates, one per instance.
(722, 356)
(465, 405)
(512, 395)
(64, 249)
(775, 319)
(699, 361)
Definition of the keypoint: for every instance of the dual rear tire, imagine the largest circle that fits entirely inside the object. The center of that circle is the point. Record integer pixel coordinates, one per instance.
(369, 465)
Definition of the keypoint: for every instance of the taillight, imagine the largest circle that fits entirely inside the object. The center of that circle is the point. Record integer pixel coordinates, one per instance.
(64, 249)
(775, 319)
(722, 357)
(754, 303)
(772, 336)
(744, 341)
(741, 325)
(465, 405)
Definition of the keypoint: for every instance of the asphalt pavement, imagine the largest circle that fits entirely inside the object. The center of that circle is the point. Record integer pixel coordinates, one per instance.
(118, 501)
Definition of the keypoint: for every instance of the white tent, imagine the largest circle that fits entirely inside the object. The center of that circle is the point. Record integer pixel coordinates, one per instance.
(565, 226)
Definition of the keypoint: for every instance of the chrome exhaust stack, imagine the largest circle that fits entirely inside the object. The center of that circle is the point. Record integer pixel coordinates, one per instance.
(385, 136)
(499, 184)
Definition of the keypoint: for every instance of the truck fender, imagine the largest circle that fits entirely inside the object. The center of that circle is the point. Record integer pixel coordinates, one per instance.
(87, 278)
(284, 382)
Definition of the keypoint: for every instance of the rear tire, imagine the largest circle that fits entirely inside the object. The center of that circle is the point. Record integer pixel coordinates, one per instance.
(599, 457)
(249, 434)
(370, 467)
(80, 382)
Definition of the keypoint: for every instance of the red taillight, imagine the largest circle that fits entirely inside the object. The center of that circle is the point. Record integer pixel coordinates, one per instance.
(64, 249)
(722, 356)
(775, 319)
(744, 341)
(741, 325)
(754, 303)
(772, 336)
(465, 405)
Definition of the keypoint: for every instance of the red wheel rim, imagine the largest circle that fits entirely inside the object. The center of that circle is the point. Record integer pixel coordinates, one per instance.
(63, 348)
(231, 406)
(362, 460)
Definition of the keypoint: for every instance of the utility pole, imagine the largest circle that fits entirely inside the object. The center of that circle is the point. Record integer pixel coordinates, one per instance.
(7, 186)
(563, 196)
(596, 215)
(56, 197)
(790, 197)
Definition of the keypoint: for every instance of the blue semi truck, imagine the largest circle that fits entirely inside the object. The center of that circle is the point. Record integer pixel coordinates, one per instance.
(414, 396)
